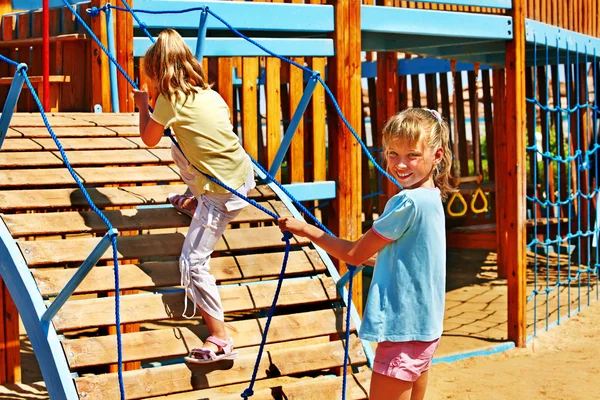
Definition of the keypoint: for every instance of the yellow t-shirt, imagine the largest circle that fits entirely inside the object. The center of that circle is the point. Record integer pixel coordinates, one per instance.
(205, 135)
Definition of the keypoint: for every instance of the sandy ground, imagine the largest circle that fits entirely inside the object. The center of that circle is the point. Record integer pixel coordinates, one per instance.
(561, 364)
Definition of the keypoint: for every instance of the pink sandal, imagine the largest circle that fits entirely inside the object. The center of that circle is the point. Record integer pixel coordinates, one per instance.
(178, 201)
(205, 356)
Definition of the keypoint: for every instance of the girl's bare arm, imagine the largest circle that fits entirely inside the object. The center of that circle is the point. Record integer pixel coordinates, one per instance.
(351, 252)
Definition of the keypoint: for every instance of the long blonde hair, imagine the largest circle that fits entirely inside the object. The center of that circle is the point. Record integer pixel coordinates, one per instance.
(170, 63)
(410, 125)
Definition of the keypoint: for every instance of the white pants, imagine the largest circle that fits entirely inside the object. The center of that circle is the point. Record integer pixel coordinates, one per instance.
(213, 214)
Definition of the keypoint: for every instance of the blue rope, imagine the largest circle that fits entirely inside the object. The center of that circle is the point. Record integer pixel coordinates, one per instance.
(351, 268)
(249, 390)
(101, 215)
(347, 344)
(8, 60)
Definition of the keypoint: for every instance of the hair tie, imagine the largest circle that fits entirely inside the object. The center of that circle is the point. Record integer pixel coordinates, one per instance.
(436, 114)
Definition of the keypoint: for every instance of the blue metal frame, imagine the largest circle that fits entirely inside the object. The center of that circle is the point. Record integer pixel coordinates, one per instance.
(37, 4)
(417, 66)
(233, 47)
(201, 36)
(245, 16)
(11, 101)
(538, 32)
(110, 38)
(29, 302)
(393, 20)
(79, 276)
(296, 118)
(506, 4)
(307, 191)
(328, 264)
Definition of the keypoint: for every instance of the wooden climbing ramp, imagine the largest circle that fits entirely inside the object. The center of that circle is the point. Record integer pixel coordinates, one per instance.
(48, 230)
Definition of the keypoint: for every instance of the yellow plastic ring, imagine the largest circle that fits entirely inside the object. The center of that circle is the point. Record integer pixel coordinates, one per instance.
(479, 193)
(465, 207)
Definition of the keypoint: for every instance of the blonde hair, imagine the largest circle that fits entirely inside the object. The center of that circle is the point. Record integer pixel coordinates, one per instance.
(170, 63)
(410, 125)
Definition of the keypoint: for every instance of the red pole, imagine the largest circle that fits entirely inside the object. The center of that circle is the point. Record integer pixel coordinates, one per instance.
(46, 54)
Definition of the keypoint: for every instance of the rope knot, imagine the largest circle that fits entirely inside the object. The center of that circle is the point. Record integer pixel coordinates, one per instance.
(247, 393)
(286, 236)
(94, 11)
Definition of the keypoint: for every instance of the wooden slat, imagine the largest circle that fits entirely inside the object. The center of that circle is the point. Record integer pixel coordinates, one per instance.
(75, 131)
(308, 389)
(81, 144)
(41, 252)
(123, 220)
(272, 88)
(85, 158)
(13, 200)
(79, 314)
(250, 105)
(180, 377)
(319, 130)
(7, 80)
(166, 273)
(177, 341)
(15, 178)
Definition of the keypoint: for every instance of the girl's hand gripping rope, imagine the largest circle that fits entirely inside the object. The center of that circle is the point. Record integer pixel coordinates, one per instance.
(293, 226)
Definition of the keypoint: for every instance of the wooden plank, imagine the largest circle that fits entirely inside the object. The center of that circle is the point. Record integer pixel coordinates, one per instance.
(512, 219)
(79, 314)
(3, 344)
(124, 44)
(500, 143)
(35, 80)
(272, 88)
(79, 131)
(345, 156)
(225, 79)
(144, 246)
(296, 152)
(12, 342)
(319, 128)
(16, 178)
(166, 273)
(180, 377)
(460, 126)
(324, 388)
(124, 220)
(250, 105)
(75, 96)
(489, 123)
(99, 63)
(177, 341)
(14, 200)
(474, 115)
(109, 143)
(387, 106)
(85, 158)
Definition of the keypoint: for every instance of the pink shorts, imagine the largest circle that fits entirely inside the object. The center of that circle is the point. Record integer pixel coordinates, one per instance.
(404, 360)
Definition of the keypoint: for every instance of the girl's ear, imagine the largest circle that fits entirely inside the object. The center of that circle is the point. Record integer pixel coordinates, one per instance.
(438, 156)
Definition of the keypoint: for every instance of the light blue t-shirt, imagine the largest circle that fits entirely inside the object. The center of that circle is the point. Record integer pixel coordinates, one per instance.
(406, 298)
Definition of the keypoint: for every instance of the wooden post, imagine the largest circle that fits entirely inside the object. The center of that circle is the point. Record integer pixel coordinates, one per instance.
(124, 39)
(387, 106)
(345, 152)
(10, 355)
(500, 141)
(99, 63)
(511, 218)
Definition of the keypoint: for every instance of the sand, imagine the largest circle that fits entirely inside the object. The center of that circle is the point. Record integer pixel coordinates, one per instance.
(562, 363)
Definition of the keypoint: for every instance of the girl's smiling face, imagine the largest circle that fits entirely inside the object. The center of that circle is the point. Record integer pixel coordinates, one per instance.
(412, 164)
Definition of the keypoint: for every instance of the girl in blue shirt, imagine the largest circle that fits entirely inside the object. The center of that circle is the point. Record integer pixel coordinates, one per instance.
(404, 313)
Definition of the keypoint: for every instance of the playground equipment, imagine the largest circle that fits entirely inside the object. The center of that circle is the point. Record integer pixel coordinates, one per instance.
(307, 328)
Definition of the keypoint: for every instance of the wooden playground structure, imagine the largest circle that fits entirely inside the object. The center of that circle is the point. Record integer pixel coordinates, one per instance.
(475, 61)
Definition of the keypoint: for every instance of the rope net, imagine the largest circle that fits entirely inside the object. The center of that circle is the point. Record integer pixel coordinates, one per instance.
(562, 182)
